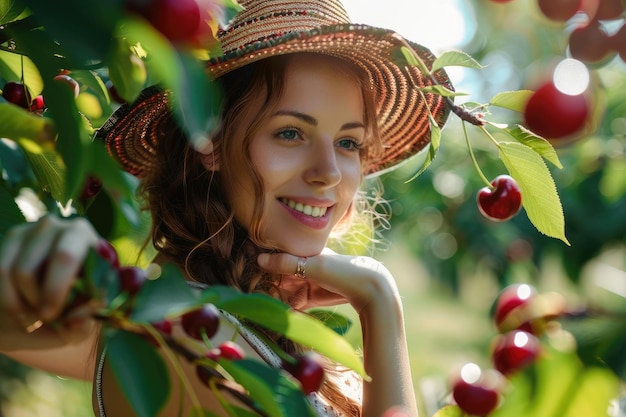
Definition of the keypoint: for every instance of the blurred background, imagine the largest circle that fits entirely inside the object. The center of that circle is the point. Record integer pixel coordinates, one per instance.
(450, 262)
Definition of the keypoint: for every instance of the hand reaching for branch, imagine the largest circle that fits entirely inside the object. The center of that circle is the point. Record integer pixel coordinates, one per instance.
(39, 263)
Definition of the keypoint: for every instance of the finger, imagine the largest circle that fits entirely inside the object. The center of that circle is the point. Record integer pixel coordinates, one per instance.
(31, 263)
(64, 265)
(278, 263)
(10, 299)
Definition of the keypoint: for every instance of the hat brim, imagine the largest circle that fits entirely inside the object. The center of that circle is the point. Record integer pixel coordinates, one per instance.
(402, 108)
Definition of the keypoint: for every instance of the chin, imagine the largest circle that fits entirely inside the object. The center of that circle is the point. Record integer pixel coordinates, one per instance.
(302, 249)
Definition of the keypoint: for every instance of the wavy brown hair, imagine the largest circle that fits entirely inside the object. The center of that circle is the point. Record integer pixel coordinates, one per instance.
(192, 221)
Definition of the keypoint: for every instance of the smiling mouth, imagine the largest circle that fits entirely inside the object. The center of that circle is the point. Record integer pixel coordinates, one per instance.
(313, 211)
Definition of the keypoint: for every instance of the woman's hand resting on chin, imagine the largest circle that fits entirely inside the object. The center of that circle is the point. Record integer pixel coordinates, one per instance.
(330, 279)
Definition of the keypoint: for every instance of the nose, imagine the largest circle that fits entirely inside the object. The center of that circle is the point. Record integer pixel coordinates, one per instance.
(323, 168)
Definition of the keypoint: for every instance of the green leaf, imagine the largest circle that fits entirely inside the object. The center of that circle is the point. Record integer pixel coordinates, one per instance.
(230, 8)
(140, 372)
(87, 37)
(278, 395)
(168, 294)
(512, 100)
(405, 56)
(18, 123)
(119, 184)
(433, 147)
(102, 277)
(9, 10)
(93, 101)
(15, 168)
(279, 317)
(74, 140)
(73, 132)
(539, 195)
(126, 70)
(48, 169)
(17, 67)
(536, 143)
(339, 323)
(455, 59)
(195, 100)
(10, 214)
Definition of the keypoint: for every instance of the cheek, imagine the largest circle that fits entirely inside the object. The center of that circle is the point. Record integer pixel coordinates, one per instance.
(352, 177)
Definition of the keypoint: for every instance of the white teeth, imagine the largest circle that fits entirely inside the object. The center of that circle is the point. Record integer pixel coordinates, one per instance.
(313, 211)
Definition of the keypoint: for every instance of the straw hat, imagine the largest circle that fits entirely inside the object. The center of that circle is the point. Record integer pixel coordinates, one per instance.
(268, 28)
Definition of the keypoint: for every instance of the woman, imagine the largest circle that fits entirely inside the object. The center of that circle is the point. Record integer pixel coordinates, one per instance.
(312, 104)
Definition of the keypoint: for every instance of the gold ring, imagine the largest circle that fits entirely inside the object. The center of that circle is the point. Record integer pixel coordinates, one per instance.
(300, 269)
(34, 326)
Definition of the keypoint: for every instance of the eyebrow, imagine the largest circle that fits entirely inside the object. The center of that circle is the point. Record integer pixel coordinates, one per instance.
(313, 121)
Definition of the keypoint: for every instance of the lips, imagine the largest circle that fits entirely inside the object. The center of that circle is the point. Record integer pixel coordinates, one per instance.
(309, 210)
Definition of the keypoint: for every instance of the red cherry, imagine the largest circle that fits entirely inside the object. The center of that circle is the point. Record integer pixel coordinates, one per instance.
(559, 10)
(91, 188)
(475, 394)
(510, 299)
(164, 326)
(515, 351)
(132, 279)
(308, 370)
(70, 82)
(108, 252)
(502, 202)
(177, 20)
(231, 350)
(37, 104)
(590, 43)
(205, 317)
(553, 114)
(16, 93)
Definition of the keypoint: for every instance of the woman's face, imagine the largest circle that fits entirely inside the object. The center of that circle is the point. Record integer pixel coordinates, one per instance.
(307, 154)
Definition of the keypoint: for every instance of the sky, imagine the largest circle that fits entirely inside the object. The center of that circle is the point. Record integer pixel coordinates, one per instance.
(439, 25)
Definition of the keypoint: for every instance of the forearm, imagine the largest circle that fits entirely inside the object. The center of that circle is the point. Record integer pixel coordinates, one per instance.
(386, 356)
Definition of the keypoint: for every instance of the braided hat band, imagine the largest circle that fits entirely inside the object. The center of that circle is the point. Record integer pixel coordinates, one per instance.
(267, 28)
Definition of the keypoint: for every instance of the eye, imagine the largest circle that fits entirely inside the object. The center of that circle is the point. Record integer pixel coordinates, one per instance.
(289, 134)
(349, 144)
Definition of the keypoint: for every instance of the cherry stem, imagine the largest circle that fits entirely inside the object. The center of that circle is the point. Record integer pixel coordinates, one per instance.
(170, 345)
(176, 363)
(462, 112)
(220, 398)
(471, 152)
(205, 338)
(490, 136)
(219, 380)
